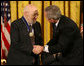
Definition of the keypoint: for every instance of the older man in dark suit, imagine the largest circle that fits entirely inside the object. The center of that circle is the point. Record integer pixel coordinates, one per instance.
(25, 34)
(66, 46)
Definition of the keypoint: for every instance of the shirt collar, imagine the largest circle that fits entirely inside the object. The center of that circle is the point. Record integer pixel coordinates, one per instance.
(56, 24)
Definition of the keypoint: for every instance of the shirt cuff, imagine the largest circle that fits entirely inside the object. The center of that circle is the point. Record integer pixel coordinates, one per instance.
(46, 48)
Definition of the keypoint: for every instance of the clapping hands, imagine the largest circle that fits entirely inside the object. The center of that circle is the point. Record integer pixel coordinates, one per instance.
(37, 49)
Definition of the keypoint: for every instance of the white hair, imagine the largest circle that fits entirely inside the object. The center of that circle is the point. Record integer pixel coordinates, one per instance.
(53, 12)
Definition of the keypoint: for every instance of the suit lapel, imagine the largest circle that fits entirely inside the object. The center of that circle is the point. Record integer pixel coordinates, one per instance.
(57, 30)
(24, 28)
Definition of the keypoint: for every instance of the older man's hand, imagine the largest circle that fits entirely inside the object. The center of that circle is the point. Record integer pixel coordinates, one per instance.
(37, 49)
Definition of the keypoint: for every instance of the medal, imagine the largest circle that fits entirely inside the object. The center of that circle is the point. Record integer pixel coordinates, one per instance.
(31, 34)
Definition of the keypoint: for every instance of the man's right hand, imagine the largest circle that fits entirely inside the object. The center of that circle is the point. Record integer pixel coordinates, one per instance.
(37, 49)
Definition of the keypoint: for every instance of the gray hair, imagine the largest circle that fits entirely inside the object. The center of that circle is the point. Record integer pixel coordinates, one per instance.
(53, 12)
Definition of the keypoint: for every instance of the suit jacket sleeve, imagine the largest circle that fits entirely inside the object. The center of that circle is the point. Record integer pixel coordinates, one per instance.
(65, 39)
(39, 39)
(47, 58)
(15, 41)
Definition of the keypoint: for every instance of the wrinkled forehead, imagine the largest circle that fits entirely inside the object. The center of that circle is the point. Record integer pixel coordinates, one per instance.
(33, 12)
(32, 8)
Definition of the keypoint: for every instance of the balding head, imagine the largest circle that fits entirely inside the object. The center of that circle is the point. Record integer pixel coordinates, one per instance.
(30, 12)
(29, 8)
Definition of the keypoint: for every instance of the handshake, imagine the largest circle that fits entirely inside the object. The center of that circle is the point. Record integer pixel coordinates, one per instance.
(37, 49)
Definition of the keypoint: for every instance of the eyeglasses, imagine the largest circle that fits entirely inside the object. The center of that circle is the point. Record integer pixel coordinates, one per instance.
(36, 14)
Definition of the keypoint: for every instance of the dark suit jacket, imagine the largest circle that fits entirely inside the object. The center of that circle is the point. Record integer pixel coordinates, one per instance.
(67, 40)
(20, 52)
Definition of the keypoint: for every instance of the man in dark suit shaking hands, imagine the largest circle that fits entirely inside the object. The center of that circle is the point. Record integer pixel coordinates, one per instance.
(25, 39)
(66, 46)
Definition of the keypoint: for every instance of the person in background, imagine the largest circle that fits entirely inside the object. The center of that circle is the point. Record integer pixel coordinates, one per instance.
(81, 30)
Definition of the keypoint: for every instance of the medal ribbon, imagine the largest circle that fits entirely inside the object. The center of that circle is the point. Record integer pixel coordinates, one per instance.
(25, 23)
